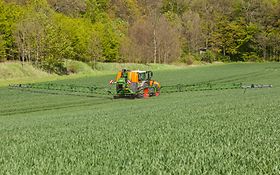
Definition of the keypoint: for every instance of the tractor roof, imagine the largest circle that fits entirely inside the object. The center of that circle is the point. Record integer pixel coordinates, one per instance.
(139, 71)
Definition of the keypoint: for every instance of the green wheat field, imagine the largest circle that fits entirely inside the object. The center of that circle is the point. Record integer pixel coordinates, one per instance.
(199, 132)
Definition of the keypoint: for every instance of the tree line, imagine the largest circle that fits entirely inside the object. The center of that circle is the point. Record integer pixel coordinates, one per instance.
(48, 32)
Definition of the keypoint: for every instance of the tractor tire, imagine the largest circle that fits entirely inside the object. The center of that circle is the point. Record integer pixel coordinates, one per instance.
(132, 97)
(152, 91)
(157, 89)
(139, 95)
(116, 97)
(144, 93)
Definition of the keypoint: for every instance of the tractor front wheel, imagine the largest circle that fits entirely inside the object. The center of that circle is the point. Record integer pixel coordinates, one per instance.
(146, 93)
(157, 90)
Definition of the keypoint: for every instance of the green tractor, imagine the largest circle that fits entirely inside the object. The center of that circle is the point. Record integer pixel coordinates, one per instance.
(135, 84)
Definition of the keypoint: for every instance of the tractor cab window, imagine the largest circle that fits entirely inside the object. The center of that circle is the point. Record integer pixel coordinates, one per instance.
(149, 75)
(142, 76)
(124, 74)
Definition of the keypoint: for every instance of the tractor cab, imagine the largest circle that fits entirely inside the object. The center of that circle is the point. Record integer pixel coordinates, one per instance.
(134, 76)
(145, 75)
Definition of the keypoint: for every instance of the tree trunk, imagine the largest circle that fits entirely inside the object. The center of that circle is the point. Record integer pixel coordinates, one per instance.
(37, 54)
(165, 56)
(22, 55)
(155, 47)
(37, 48)
(264, 53)
(94, 63)
(159, 56)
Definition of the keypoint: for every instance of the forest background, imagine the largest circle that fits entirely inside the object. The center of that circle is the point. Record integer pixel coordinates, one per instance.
(47, 33)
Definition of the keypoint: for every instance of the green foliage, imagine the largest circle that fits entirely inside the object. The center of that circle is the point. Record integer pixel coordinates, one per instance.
(96, 10)
(110, 42)
(139, 31)
(9, 14)
(223, 58)
(188, 59)
(251, 56)
(208, 56)
(204, 132)
(74, 37)
(234, 38)
(53, 65)
(78, 67)
(2, 50)
(175, 6)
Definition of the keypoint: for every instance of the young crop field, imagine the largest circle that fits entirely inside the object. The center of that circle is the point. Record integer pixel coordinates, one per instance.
(194, 132)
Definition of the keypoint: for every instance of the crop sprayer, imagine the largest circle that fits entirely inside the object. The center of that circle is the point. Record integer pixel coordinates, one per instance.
(130, 84)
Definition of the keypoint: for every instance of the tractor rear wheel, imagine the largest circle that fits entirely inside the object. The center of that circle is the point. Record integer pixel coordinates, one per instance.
(144, 91)
(116, 96)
